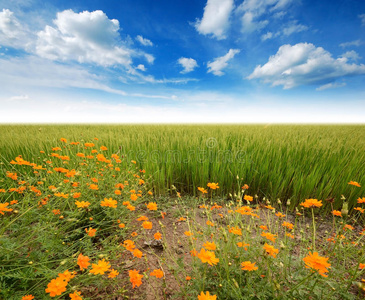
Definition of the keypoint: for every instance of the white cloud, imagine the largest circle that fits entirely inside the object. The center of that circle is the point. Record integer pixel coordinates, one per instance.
(12, 33)
(362, 18)
(255, 13)
(351, 55)
(303, 64)
(143, 41)
(189, 64)
(215, 19)
(293, 27)
(141, 67)
(268, 35)
(356, 43)
(331, 86)
(20, 97)
(220, 63)
(86, 37)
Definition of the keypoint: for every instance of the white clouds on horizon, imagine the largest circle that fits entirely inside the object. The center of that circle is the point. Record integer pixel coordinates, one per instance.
(189, 64)
(304, 64)
(215, 19)
(221, 62)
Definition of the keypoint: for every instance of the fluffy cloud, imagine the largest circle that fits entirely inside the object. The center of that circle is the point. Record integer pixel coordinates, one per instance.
(253, 12)
(143, 41)
(189, 64)
(303, 64)
(351, 55)
(86, 37)
(141, 67)
(12, 33)
(215, 19)
(220, 63)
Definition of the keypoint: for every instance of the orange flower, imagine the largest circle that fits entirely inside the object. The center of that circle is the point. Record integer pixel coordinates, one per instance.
(206, 296)
(248, 198)
(248, 266)
(311, 203)
(137, 253)
(347, 226)
(157, 273)
(91, 232)
(213, 185)
(103, 148)
(100, 268)
(63, 140)
(67, 275)
(203, 190)
(147, 225)
(235, 230)
(109, 203)
(121, 225)
(129, 245)
(361, 266)
(208, 257)
(243, 245)
(263, 227)
(83, 261)
(152, 206)
(288, 225)
(210, 246)
(3, 207)
(135, 278)
(82, 204)
(93, 187)
(270, 250)
(187, 278)
(337, 213)
(361, 200)
(188, 233)
(316, 262)
(56, 287)
(142, 218)
(76, 195)
(269, 236)
(134, 197)
(27, 297)
(355, 183)
(113, 273)
(75, 296)
(280, 215)
(56, 211)
(157, 236)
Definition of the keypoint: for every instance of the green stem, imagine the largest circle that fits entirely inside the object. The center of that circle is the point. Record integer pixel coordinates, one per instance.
(314, 231)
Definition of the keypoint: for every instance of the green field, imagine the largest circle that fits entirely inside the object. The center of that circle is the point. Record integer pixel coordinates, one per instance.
(276, 161)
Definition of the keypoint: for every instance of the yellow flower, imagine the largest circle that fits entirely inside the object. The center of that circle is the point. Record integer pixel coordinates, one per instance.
(318, 263)
(152, 206)
(109, 203)
(210, 246)
(82, 204)
(208, 257)
(206, 296)
(113, 273)
(248, 266)
(100, 268)
(213, 185)
(270, 250)
(157, 273)
(311, 203)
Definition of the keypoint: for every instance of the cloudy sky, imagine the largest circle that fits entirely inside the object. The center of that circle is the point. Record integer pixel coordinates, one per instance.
(184, 61)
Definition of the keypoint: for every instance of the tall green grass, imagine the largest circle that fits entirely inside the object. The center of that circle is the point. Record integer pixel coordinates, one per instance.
(276, 161)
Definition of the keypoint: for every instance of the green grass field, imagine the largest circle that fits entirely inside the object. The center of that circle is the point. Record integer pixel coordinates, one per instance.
(276, 161)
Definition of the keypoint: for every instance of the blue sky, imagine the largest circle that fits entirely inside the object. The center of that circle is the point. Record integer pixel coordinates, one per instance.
(191, 61)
